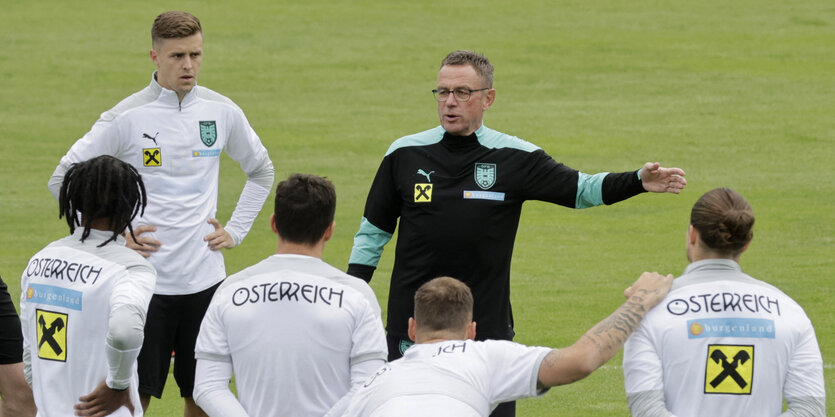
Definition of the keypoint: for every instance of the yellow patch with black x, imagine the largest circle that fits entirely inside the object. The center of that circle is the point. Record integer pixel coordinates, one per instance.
(52, 335)
(423, 193)
(729, 369)
(152, 157)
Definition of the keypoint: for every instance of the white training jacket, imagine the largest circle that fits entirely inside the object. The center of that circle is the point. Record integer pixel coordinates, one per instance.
(176, 147)
(82, 310)
(724, 344)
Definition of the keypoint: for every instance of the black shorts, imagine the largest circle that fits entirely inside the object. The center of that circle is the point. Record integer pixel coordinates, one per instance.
(172, 325)
(11, 337)
(398, 345)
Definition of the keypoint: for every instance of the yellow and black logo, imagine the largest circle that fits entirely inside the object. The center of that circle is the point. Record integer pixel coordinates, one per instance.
(423, 193)
(152, 157)
(730, 369)
(52, 335)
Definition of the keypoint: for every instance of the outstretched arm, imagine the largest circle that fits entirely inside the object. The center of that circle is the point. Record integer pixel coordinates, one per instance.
(658, 179)
(604, 340)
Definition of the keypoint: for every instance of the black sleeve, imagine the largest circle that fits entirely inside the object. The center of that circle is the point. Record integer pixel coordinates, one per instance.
(620, 186)
(382, 208)
(549, 180)
(363, 272)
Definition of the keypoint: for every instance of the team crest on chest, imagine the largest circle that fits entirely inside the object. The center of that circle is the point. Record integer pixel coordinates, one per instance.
(485, 175)
(208, 132)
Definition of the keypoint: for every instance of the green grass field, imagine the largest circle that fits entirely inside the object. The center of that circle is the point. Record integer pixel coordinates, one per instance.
(739, 94)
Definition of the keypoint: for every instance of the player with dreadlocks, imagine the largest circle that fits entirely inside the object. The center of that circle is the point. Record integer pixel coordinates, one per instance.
(85, 298)
(105, 190)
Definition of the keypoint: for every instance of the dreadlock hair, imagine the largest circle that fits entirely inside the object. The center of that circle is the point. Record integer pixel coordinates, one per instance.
(102, 188)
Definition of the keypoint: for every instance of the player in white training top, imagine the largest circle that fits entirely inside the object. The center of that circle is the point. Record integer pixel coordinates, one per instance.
(84, 298)
(446, 373)
(296, 333)
(723, 343)
(173, 132)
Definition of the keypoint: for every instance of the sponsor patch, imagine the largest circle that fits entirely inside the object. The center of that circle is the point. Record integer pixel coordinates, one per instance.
(204, 153)
(52, 335)
(54, 296)
(208, 132)
(483, 195)
(730, 327)
(729, 369)
(152, 157)
(423, 193)
(485, 175)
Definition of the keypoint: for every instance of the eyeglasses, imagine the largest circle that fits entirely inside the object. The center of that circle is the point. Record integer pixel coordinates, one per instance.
(461, 93)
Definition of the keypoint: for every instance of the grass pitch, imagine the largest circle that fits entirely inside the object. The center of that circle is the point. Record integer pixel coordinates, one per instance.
(738, 94)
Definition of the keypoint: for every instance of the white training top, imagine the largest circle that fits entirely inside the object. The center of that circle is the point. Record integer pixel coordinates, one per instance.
(68, 291)
(292, 327)
(455, 378)
(724, 344)
(176, 148)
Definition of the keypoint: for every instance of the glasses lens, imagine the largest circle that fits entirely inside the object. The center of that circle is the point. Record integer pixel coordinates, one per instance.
(462, 94)
(441, 94)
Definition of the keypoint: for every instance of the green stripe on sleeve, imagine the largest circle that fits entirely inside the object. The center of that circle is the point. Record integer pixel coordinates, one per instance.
(589, 190)
(368, 244)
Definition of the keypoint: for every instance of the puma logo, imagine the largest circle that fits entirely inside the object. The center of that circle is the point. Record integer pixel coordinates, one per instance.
(153, 138)
(422, 172)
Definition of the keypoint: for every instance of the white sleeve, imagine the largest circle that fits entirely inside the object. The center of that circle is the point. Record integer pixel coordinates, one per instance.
(642, 370)
(515, 370)
(211, 389)
(648, 404)
(245, 147)
(368, 342)
(360, 373)
(804, 377)
(806, 407)
(128, 309)
(24, 326)
(102, 139)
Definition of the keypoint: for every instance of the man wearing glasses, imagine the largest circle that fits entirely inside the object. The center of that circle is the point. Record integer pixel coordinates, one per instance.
(458, 190)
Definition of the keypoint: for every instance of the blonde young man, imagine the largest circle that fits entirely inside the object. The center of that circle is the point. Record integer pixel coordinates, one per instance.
(723, 343)
(447, 374)
(173, 132)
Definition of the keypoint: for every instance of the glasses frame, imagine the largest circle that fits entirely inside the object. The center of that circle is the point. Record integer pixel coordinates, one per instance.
(455, 92)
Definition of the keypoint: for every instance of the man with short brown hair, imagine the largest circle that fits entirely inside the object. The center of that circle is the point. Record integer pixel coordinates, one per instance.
(446, 373)
(173, 132)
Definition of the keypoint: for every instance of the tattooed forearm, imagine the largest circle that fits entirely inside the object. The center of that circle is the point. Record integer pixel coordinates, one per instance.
(610, 334)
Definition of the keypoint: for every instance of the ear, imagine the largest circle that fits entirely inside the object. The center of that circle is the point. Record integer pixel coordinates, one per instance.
(272, 223)
(154, 57)
(329, 232)
(491, 97)
(412, 328)
(471, 331)
(692, 235)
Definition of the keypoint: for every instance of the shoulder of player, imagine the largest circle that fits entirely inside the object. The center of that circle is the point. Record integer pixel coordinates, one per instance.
(209, 95)
(494, 139)
(425, 138)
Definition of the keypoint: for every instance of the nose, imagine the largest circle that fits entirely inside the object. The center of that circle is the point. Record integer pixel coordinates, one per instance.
(187, 63)
(451, 100)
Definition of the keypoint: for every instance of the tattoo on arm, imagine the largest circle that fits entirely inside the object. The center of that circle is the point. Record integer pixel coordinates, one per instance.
(610, 334)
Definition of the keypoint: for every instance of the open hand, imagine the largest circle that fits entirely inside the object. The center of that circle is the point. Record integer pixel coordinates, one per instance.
(658, 179)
